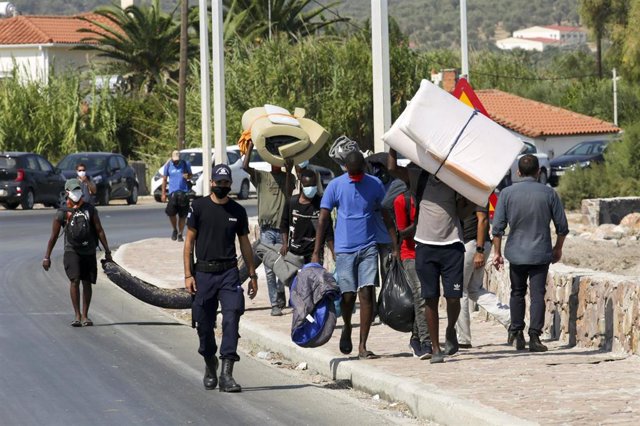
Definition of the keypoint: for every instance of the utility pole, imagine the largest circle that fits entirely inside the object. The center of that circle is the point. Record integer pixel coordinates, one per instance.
(615, 97)
(205, 96)
(464, 47)
(269, 13)
(219, 107)
(182, 78)
(381, 79)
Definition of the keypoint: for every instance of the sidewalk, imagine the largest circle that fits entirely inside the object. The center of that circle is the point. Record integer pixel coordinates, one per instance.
(491, 383)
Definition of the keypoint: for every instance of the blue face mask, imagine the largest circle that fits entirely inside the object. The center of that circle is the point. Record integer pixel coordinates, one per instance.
(310, 191)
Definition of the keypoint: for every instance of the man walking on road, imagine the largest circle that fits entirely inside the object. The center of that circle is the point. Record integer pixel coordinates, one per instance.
(213, 224)
(528, 207)
(274, 189)
(477, 245)
(82, 230)
(178, 172)
(358, 198)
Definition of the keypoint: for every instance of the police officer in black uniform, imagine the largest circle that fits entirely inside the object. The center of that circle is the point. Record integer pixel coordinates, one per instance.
(213, 223)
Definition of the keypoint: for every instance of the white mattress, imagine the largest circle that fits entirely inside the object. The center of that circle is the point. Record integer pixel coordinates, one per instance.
(427, 129)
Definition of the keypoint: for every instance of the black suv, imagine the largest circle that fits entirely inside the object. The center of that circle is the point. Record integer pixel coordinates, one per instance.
(111, 173)
(27, 178)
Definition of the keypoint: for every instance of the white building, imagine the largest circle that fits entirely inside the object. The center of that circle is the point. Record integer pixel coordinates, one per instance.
(540, 37)
(34, 45)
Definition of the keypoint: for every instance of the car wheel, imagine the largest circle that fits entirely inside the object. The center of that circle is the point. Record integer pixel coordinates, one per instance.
(10, 206)
(62, 200)
(28, 200)
(133, 198)
(543, 178)
(244, 190)
(105, 197)
(157, 197)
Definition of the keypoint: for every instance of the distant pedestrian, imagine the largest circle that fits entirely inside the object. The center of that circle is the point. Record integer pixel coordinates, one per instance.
(273, 188)
(88, 187)
(214, 223)
(82, 230)
(357, 197)
(300, 220)
(528, 208)
(178, 172)
(477, 247)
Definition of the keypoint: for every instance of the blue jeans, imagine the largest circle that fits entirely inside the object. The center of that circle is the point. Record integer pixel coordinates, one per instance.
(272, 236)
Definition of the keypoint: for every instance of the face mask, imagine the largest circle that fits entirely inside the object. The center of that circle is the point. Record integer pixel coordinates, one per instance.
(310, 191)
(75, 195)
(220, 191)
(357, 177)
(82, 173)
(304, 164)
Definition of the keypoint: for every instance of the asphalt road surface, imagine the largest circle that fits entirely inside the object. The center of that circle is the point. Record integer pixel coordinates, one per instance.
(136, 365)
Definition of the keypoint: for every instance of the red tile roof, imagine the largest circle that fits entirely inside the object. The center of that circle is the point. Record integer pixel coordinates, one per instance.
(535, 119)
(33, 29)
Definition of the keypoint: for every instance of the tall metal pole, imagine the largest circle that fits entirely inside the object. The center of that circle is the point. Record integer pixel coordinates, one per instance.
(219, 108)
(615, 97)
(381, 79)
(269, 12)
(205, 96)
(464, 47)
(182, 77)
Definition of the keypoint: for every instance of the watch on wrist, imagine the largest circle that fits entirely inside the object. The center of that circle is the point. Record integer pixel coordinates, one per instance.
(253, 276)
(480, 249)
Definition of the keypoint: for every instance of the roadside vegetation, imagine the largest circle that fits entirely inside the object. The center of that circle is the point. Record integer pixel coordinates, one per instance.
(327, 72)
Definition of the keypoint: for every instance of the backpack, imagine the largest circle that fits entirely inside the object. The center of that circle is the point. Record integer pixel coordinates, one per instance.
(78, 228)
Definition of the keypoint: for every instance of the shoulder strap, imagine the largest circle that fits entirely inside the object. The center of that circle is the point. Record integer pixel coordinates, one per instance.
(422, 184)
(407, 206)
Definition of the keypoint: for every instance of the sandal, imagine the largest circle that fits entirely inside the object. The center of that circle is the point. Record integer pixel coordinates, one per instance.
(345, 342)
(368, 355)
(76, 323)
(87, 323)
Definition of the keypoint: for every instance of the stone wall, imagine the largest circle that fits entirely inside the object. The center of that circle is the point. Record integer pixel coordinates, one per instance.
(585, 308)
(598, 211)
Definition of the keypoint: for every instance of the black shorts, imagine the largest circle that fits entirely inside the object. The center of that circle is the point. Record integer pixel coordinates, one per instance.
(178, 204)
(435, 262)
(80, 267)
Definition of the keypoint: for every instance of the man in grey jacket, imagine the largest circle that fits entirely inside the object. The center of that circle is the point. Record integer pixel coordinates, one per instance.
(528, 207)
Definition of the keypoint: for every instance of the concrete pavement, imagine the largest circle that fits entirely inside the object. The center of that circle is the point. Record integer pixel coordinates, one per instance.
(491, 383)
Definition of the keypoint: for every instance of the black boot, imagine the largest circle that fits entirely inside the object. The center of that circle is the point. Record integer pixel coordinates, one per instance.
(227, 384)
(520, 342)
(535, 345)
(210, 379)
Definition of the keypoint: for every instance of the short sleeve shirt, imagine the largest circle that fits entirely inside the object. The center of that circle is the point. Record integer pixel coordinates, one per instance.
(357, 204)
(408, 246)
(438, 222)
(470, 225)
(272, 197)
(217, 226)
(89, 211)
(177, 182)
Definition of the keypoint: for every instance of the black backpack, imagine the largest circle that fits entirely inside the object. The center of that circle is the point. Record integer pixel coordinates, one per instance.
(78, 228)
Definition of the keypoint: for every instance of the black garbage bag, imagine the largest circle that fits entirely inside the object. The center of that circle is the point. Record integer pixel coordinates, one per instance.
(395, 303)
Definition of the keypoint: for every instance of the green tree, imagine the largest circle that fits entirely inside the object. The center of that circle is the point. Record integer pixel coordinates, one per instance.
(140, 42)
(596, 14)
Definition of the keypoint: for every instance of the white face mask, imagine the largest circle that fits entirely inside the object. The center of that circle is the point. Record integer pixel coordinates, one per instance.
(75, 195)
(82, 173)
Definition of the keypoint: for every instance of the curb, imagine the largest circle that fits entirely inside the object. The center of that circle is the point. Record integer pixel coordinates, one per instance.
(425, 401)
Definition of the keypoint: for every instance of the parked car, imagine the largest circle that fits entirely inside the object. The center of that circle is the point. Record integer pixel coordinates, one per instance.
(326, 174)
(581, 155)
(27, 178)
(113, 176)
(241, 185)
(543, 160)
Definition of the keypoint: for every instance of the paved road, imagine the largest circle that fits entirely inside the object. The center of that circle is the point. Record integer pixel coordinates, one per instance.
(137, 365)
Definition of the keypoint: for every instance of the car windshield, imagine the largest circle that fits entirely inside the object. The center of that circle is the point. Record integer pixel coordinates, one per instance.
(255, 157)
(7, 163)
(194, 158)
(587, 148)
(93, 162)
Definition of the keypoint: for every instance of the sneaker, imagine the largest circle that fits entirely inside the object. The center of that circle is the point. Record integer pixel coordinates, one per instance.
(180, 238)
(427, 350)
(465, 345)
(281, 300)
(276, 311)
(416, 347)
(174, 235)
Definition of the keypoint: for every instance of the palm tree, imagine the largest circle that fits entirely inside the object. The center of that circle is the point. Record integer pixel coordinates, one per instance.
(140, 42)
(294, 18)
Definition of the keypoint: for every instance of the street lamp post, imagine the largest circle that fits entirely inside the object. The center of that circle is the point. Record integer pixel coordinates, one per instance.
(380, 60)
(205, 97)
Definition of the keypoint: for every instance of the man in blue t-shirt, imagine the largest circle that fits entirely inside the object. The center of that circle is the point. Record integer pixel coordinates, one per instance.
(178, 172)
(357, 197)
